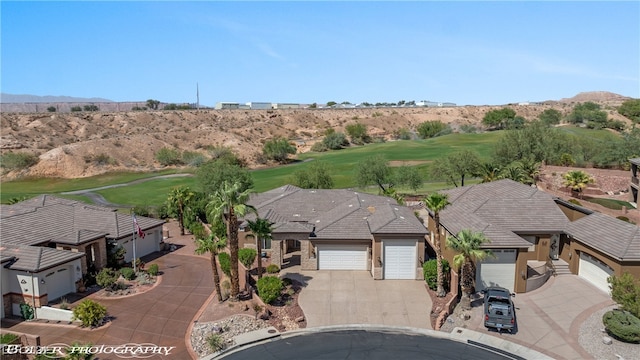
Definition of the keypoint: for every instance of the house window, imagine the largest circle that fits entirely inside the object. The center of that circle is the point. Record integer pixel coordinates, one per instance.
(266, 243)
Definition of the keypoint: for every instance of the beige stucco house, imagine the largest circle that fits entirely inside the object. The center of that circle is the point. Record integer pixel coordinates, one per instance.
(534, 234)
(49, 243)
(342, 230)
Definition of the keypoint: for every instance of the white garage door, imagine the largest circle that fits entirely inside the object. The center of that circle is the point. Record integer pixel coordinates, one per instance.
(342, 257)
(59, 283)
(594, 272)
(147, 245)
(498, 271)
(400, 259)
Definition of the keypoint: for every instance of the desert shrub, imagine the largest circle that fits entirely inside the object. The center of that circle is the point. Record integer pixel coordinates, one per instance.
(468, 129)
(622, 325)
(246, 256)
(64, 304)
(625, 290)
(430, 271)
(193, 158)
(402, 134)
(273, 268)
(167, 156)
(215, 342)
(89, 312)
(429, 129)
(278, 149)
(76, 108)
(225, 263)
(335, 140)
(358, 133)
(51, 109)
(153, 270)
(446, 131)
(269, 288)
(128, 273)
(107, 278)
(17, 161)
(319, 147)
(8, 338)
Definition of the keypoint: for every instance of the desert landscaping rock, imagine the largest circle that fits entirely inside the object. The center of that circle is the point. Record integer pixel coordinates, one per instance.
(227, 328)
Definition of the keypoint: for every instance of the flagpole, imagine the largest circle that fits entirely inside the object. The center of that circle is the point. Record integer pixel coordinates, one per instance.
(135, 267)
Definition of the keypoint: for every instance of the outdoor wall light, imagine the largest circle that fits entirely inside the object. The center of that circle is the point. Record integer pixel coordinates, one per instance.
(523, 276)
(570, 255)
(42, 281)
(379, 261)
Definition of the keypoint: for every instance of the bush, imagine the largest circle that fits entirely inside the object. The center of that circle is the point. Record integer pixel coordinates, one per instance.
(278, 149)
(193, 158)
(335, 140)
(269, 288)
(246, 256)
(90, 313)
(319, 147)
(17, 161)
(430, 271)
(402, 134)
(153, 270)
(468, 129)
(358, 133)
(622, 325)
(128, 273)
(76, 108)
(215, 342)
(429, 129)
(273, 269)
(625, 290)
(8, 338)
(167, 157)
(107, 278)
(225, 263)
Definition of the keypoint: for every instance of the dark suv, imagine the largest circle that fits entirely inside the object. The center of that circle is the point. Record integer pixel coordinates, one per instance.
(499, 312)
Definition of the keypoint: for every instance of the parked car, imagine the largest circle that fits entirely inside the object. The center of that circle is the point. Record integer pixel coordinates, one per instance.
(499, 312)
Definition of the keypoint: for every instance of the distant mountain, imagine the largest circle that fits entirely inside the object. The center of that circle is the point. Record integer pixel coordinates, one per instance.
(13, 98)
(595, 96)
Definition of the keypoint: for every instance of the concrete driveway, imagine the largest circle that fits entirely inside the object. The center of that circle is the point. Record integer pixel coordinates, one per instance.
(353, 297)
(549, 318)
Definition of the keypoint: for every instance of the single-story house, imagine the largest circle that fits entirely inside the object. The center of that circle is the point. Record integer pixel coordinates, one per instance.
(49, 243)
(533, 233)
(341, 230)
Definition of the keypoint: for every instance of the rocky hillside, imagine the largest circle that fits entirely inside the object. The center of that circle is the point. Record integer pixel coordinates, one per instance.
(71, 145)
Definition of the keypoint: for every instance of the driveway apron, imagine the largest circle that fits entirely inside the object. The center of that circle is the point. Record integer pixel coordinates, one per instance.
(353, 297)
(160, 316)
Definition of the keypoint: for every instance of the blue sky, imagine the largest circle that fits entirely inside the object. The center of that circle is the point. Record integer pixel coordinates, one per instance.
(464, 52)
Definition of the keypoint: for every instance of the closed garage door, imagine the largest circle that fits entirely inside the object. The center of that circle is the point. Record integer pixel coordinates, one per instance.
(498, 271)
(147, 245)
(342, 257)
(59, 283)
(594, 272)
(400, 259)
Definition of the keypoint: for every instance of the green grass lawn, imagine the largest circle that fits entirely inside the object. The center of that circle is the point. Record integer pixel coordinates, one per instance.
(610, 203)
(602, 134)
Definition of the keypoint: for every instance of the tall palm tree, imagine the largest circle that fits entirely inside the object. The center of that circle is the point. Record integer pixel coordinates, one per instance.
(488, 172)
(468, 246)
(261, 228)
(178, 201)
(577, 180)
(228, 203)
(531, 169)
(436, 202)
(212, 244)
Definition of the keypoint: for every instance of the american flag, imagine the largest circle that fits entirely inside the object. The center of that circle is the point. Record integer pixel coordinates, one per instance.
(141, 233)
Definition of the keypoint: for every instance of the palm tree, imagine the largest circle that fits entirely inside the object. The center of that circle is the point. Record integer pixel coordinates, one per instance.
(436, 202)
(178, 200)
(514, 172)
(531, 169)
(261, 228)
(212, 244)
(577, 180)
(468, 246)
(228, 203)
(488, 172)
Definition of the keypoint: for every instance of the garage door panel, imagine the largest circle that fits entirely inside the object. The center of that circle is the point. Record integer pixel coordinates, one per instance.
(58, 283)
(342, 257)
(497, 271)
(400, 260)
(594, 271)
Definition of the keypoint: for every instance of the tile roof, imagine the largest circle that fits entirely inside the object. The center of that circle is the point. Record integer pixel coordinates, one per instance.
(613, 237)
(36, 258)
(47, 218)
(501, 210)
(335, 214)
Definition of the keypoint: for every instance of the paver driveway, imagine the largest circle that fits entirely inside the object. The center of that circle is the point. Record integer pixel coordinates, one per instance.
(160, 316)
(353, 297)
(549, 318)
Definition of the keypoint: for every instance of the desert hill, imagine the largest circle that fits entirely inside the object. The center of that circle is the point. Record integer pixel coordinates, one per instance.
(82, 144)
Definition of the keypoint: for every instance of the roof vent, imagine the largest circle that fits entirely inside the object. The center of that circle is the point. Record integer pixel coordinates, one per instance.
(296, 215)
(350, 205)
(371, 209)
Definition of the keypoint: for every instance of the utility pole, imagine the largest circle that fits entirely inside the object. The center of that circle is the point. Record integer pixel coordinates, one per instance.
(197, 96)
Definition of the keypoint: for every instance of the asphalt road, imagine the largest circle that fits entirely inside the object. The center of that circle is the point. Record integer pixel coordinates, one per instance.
(365, 345)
